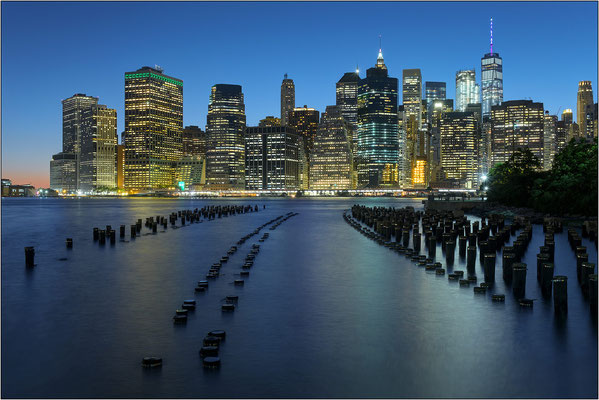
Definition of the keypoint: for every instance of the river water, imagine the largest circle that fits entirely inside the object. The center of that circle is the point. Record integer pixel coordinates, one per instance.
(325, 312)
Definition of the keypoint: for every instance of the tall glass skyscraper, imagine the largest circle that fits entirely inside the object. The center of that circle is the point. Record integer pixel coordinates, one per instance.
(434, 91)
(287, 99)
(466, 89)
(492, 82)
(412, 94)
(153, 128)
(378, 140)
(225, 131)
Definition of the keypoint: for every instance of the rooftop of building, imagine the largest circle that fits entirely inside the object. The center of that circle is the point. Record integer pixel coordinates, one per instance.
(157, 70)
(349, 77)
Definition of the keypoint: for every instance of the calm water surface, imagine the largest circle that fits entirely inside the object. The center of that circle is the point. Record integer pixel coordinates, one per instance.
(326, 312)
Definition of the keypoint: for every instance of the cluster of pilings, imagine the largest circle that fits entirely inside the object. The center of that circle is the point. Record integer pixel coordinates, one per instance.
(487, 237)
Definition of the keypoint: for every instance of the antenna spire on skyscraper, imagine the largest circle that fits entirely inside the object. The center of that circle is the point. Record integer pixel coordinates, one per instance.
(491, 35)
(285, 75)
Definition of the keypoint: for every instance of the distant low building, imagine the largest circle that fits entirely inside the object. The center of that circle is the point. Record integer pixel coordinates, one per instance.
(63, 172)
(190, 172)
(18, 190)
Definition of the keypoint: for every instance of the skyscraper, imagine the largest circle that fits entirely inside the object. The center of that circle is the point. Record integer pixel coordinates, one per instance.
(378, 139)
(287, 99)
(272, 158)
(459, 149)
(153, 128)
(491, 79)
(412, 106)
(225, 153)
(466, 89)
(562, 130)
(347, 97)
(549, 139)
(72, 111)
(305, 122)
(331, 163)
(434, 91)
(516, 125)
(585, 99)
(97, 148)
(438, 110)
(412, 94)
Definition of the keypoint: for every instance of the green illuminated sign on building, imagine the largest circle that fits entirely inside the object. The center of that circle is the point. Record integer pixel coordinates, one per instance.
(151, 75)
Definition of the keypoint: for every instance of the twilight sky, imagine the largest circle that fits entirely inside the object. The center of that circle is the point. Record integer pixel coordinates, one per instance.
(53, 50)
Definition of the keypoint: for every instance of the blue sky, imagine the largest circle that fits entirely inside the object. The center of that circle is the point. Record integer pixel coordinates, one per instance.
(52, 50)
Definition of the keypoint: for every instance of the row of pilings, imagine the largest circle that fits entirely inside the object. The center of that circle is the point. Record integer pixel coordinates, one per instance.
(211, 344)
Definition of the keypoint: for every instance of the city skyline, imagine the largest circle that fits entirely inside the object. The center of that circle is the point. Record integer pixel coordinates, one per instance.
(259, 65)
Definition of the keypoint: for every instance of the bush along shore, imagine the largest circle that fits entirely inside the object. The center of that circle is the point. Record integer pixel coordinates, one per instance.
(568, 191)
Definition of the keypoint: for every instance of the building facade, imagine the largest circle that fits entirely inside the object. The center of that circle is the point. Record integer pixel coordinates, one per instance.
(459, 153)
(153, 128)
(466, 89)
(98, 148)
(549, 139)
(517, 124)
(304, 121)
(287, 99)
(270, 121)
(272, 158)
(378, 133)
(225, 131)
(584, 103)
(346, 93)
(63, 172)
(491, 82)
(331, 164)
(194, 142)
(412, 94)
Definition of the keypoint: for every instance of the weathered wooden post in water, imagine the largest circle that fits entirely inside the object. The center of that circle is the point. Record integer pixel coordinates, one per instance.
(560, 294)
(489, 267)
(547, 279)
(509, 258)
(519, 279)
(471, 259)
(593, 293)
(29, 256)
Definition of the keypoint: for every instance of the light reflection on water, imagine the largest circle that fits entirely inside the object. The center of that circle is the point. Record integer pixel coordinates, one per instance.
(326, 312)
